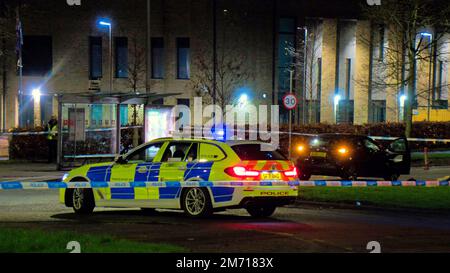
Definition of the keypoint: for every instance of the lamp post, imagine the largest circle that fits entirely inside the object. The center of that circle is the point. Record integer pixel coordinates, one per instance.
(107, 23)
(337, 98)
(402, 107)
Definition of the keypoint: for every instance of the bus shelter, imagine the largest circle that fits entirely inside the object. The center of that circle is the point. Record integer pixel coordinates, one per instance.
(97, 127)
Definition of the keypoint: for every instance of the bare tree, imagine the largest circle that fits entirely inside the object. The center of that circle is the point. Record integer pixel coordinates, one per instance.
(306, 62)
(230, 68)
(136, 65)
(405, 20)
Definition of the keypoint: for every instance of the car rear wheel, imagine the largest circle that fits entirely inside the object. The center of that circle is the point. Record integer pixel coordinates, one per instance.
(304, 176)
(196, 202)
(261, 211)
(350, 174)
(83, 201)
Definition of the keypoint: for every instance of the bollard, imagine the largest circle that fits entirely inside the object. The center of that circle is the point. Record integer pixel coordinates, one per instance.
(425, 157)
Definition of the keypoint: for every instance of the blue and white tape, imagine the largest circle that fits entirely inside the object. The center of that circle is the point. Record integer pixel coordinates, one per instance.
(17, 185)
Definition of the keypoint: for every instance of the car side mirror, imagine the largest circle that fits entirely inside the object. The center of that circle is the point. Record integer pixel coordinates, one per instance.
(120, 159)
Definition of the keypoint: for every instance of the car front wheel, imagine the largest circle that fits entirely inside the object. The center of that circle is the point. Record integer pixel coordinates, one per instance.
(83, 201)
(261, 211)
(196, 202)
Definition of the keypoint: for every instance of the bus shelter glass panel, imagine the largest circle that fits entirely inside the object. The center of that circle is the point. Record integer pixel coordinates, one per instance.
(89, 133)
(131, 126)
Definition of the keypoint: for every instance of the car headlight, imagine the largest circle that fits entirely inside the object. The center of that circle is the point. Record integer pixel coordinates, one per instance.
(65, 176)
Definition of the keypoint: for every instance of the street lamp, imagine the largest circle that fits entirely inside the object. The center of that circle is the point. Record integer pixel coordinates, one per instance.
(104, 22)
(243, 100)
(337, 98)
(36, 93)
(402, 106)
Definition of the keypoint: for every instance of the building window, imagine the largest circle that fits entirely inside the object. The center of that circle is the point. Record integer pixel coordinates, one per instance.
(46, 104)
(183, 48)
(157, 58)
(37, 55)
(95, 58)
(183, 102)
(348, 78)
(27, 111)
(377, 111)
(319, 78)
(440, 82)
(121, 57)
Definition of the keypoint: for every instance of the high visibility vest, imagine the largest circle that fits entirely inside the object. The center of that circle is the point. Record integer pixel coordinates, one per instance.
(52, 131)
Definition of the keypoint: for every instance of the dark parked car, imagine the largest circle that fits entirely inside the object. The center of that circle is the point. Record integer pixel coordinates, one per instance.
(353, 156)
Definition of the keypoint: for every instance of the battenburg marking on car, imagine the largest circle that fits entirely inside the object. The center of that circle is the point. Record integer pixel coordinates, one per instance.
(197, 176)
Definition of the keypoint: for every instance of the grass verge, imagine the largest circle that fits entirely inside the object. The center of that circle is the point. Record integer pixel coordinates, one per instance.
(37, 241)
(420, 156)
(394, 197)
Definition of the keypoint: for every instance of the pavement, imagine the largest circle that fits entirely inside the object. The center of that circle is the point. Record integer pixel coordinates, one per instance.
(27, 171)
(291, 229)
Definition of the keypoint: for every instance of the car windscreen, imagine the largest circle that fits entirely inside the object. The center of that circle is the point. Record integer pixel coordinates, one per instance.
(255, 152)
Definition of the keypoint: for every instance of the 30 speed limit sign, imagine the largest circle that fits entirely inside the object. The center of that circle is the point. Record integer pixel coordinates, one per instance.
(290, 101)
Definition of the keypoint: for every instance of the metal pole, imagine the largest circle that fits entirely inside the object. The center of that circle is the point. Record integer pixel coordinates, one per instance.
(148, 45)
(110, 60)
(305, 64)
(290, 114)
(214, 50)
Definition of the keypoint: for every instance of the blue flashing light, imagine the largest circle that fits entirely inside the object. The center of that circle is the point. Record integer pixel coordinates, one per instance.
(219, 133)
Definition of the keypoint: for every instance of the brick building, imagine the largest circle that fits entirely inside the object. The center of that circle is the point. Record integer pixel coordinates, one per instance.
(66, 51)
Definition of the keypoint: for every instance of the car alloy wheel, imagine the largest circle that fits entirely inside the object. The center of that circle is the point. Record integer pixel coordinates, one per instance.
(83, 201)
(196, 202)
(78, 198)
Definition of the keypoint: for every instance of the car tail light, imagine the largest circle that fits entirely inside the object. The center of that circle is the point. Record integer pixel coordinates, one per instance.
(291, 173)
(239, 171)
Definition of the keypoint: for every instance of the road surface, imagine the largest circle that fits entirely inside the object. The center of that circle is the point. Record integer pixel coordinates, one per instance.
(306, 229)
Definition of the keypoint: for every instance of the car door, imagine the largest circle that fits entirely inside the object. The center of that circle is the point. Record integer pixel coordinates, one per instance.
(135, 167)
(374, 162)
(398, 155)
(173, 161)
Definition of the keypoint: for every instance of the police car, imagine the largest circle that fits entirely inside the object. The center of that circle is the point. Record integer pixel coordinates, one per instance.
(197, 176)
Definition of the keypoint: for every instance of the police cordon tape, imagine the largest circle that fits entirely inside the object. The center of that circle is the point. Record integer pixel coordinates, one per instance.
(17, 185)
(280, 132)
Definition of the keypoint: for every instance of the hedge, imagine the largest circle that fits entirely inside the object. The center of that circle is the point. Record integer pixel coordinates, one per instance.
(34, 147)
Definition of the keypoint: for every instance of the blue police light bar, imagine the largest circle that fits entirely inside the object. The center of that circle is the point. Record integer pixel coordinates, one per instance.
(219, 134)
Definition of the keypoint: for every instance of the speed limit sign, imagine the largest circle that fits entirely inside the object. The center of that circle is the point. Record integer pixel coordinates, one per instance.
(290, 101)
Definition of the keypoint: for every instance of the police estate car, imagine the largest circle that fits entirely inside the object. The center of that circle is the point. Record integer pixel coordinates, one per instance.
(196, 175)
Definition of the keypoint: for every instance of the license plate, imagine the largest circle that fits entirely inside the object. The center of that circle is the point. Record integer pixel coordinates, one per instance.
(318, 154)
(271, 176)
